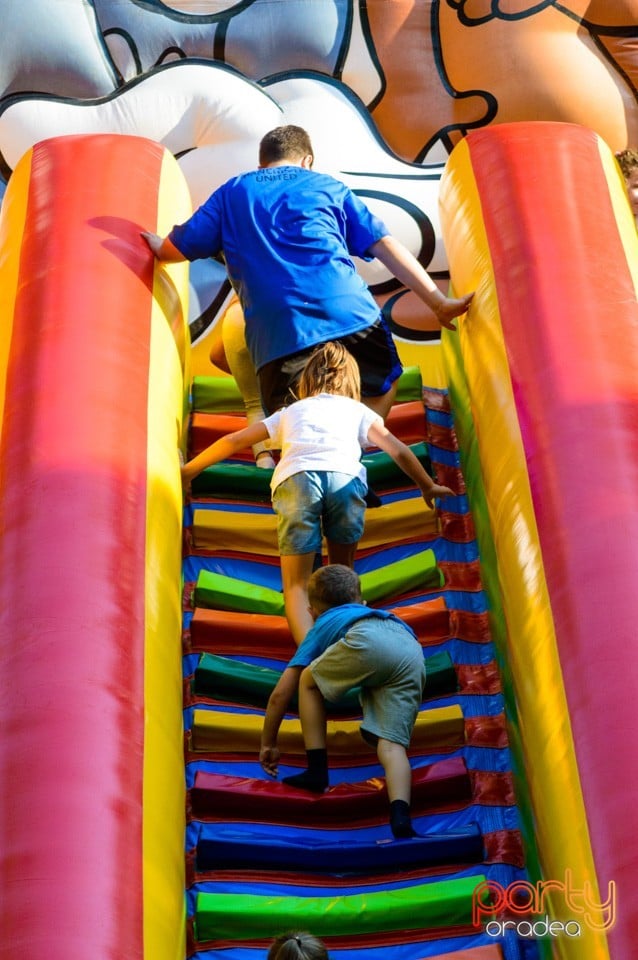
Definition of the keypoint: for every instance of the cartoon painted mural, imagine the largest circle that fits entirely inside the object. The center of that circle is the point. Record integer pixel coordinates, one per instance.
(121, 115)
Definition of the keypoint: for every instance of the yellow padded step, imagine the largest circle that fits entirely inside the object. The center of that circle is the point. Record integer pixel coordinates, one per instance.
(215, 731)
(257, 532)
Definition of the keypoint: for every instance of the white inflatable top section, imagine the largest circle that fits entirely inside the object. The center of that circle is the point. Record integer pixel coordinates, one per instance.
(212, 119)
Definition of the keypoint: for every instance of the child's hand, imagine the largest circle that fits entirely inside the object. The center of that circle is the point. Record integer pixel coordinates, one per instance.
(450, 308)
(436, 490)
(153, 241)
(269, 759)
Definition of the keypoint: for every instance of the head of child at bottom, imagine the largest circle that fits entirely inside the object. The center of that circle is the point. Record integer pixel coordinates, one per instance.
(297, 946)
(332, 586)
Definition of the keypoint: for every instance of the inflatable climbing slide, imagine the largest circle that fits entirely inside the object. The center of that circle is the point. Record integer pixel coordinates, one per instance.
(138, 822)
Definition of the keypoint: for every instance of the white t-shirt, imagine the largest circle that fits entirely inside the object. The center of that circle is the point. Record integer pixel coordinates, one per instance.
(326, 432)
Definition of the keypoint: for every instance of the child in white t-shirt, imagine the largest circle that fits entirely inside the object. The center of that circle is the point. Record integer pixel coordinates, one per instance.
(318, 486)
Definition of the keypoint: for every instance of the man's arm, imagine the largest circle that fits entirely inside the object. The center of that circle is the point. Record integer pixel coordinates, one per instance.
(278, 703)
(163, 248)
(406, 268)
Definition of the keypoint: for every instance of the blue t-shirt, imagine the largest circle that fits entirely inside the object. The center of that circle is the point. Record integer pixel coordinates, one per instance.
(288, 236)
(332, 625)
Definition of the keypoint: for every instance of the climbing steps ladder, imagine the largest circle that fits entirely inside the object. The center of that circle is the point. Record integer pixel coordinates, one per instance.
(263, 857)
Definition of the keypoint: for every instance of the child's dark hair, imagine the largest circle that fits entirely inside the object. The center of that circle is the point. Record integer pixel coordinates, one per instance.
(330, 368)
(332, 586)
(284, 143)
(297, 946)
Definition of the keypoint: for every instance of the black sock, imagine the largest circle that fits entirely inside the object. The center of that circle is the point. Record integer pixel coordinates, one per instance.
(400, 820)
(315, 778)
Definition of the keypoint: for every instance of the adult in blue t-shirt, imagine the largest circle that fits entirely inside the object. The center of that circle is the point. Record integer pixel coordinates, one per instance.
(288, 236)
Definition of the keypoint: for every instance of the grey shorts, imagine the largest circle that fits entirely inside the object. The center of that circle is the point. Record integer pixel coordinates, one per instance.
(384, 659)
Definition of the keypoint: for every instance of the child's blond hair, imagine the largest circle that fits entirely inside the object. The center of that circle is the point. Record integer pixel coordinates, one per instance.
(330, 368)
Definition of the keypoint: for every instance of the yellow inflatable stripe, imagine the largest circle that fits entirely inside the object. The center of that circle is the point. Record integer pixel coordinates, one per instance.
(163, 807)
(427, 355)
(622, 210)
(550, 761)
(257, 532)
(219, 732)
(14, 212)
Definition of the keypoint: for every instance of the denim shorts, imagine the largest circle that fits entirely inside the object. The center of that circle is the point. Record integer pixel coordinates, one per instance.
(315, 503)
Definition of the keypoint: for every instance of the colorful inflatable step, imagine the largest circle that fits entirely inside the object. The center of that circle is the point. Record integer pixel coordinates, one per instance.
(222, 395)
(246, 481)
(234, 681)
(230, 593)
(234, 916)
(222, 848)
(232, 632)
(444, 783)
(406, 421)
(393, 579)
(218, 732)
(249, 531)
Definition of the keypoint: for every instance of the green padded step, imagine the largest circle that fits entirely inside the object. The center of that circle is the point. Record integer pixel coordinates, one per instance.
(216, 395)
(402, 576)
(234, 481)
(228, 593)
(246, 481)
(410, 385)
(383, 471)
(222, 395)
(235, 916)
(235, 681)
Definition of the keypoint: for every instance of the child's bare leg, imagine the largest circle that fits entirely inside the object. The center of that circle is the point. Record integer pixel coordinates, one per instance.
(295, 573)
(243, 370)
(312, 713)
(398, 775)
(342, 553)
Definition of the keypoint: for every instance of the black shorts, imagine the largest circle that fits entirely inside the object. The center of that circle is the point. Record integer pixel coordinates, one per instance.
(373, 348)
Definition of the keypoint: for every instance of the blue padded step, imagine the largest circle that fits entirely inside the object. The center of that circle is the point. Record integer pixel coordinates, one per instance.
(224, 849)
